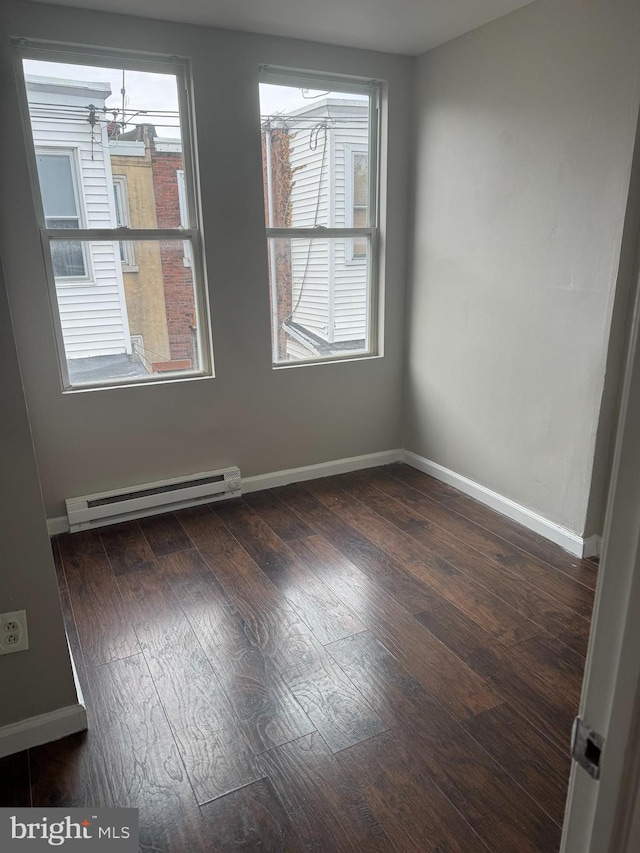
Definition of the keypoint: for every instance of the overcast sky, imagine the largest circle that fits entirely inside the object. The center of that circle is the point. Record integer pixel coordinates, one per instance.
(276, 99)
(150, 91)
(144, 90)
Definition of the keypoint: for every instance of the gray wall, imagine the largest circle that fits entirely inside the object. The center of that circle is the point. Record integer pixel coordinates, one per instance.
(617, 351)
(250, 415)
(525, 132)
(40, 679)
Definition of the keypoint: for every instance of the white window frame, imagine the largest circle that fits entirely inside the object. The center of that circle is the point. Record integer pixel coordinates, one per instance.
(135, 61)
(372, 88)
(121, 188)
(72, 154)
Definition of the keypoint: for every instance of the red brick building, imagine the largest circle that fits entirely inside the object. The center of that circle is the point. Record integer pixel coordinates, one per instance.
(168, 202)
(163, 199)
(277, 177)
(168, 176)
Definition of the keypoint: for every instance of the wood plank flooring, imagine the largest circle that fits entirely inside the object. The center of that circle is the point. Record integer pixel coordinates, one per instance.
(367, 662)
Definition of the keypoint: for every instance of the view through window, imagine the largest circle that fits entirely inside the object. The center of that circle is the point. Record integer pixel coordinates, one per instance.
(319, 174)
(111, 152)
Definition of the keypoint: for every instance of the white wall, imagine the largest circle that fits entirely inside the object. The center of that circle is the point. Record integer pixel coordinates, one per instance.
(261, 419)
(525, 132)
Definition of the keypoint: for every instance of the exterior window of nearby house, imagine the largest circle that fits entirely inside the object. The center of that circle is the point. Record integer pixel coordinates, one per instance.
(101, 174)
(320, 167)
(123, 220)
(182, 199)
(357, 161)
(58, 182)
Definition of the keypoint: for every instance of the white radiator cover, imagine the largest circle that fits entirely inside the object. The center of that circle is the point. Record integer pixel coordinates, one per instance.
(119, 505)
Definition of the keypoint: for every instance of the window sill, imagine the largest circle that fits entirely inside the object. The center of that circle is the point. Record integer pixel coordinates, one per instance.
(338, 359)
(117, 384)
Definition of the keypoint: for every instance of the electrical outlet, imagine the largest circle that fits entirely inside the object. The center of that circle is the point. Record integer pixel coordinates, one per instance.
(13, 632)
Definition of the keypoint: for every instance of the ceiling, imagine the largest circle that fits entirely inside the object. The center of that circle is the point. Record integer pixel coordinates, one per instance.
(396, 26)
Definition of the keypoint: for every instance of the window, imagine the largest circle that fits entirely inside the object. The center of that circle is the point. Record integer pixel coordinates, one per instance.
(109, 139)
(56, 171)
(319, 155)
(182, 199)
(358, 194)
(123, 220)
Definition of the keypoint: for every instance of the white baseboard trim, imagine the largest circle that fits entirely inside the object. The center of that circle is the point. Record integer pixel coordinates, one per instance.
(44, 728)
(58, 525)
(283, 478)
(577, 545)
(324, 469)
(592, 546)
(568, 540)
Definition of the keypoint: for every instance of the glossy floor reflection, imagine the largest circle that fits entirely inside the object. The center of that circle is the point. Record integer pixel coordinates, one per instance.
(371, 661)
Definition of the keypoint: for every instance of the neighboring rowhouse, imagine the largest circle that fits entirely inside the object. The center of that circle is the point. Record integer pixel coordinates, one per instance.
(148, 178)
(126, 307)
(77, 188)
(319, 153)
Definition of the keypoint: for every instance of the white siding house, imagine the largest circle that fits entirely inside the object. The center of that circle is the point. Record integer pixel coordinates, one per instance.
(328, 153)
(77, 191)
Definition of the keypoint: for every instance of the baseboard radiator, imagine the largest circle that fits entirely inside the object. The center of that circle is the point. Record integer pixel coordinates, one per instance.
(152, 498)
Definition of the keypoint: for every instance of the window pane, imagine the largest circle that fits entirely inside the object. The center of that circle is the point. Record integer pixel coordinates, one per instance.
(56, 182)
(359, 217)
(68, 259)
(359, 244)
(320, 300)
(307, 148)
(360, 180)
(135, 135)
(52, 222)
(123, 325)
(121, 220)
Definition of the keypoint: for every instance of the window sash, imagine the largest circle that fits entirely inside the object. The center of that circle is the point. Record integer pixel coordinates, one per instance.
(68, 155)
(133, 61)
(373, 312)
(299, 79)
(282, 77)
(205, 369)
(321, 231)
(191, 236)
(115, 234)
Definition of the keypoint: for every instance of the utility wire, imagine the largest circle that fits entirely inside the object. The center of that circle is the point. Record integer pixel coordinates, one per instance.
(313, 144)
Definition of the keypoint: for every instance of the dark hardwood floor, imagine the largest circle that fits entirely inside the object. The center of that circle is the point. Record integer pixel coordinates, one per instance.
(371, 661)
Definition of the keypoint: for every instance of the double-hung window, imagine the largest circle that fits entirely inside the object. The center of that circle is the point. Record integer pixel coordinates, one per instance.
(59, 188)
(320, 176)
(109, 135)
(123, 220)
